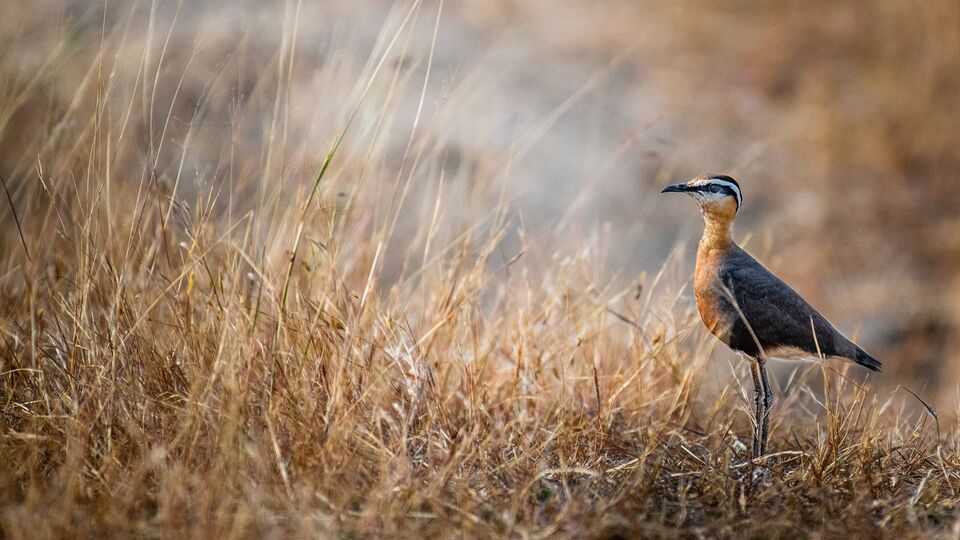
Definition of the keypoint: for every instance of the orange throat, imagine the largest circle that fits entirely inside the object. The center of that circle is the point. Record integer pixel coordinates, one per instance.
(717, 231)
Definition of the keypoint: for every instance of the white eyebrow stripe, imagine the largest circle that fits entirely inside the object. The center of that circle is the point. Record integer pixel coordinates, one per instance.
(728, 184)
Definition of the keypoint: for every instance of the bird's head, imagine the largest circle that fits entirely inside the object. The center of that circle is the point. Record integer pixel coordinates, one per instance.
(717, 194)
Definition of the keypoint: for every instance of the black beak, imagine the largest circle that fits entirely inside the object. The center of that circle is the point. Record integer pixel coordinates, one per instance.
(676, 188)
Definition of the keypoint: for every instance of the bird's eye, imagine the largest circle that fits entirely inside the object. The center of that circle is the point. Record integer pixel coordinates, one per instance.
(715, 188)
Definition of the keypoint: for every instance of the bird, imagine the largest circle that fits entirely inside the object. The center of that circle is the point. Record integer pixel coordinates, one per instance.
(750, 309)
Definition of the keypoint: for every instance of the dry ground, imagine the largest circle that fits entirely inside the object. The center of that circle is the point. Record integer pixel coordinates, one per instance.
(252, 288)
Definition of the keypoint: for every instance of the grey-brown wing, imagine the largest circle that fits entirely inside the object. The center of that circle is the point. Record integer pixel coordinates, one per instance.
(778, 316)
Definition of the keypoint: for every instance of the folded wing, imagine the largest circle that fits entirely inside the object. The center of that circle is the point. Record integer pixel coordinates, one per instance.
(778, 316)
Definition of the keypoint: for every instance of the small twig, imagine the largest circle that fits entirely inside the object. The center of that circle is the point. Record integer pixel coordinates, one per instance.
(930, 410)
(16, 218)
(691, 430)
(764, 458)
(596, 387)
(624, 318)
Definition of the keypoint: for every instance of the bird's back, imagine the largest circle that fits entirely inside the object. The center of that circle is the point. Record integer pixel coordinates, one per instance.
(748, 307)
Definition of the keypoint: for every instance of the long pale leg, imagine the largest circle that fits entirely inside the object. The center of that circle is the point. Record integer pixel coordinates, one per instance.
(759, 399)
(767, 403)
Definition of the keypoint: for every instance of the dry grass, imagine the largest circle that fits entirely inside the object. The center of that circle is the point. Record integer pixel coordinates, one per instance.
(211, 327)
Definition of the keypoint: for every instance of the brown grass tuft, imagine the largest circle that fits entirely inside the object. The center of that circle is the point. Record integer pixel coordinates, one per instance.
(219, 333)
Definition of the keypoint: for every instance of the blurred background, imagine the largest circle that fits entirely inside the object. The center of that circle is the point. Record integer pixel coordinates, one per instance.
(839, 119)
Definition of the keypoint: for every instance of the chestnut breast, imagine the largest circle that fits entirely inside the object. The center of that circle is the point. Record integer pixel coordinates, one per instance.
(715, 310)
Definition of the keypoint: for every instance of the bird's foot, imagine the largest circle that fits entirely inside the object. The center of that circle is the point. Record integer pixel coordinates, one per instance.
(751, 472)
(759, 474)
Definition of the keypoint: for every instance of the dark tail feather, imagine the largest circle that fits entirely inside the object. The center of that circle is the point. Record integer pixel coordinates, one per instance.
(866, 360)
